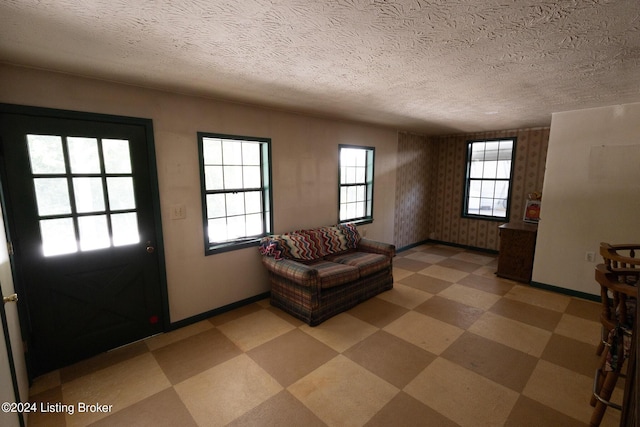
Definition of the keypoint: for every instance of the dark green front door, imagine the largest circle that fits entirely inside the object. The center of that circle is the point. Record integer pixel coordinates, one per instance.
(79, 191)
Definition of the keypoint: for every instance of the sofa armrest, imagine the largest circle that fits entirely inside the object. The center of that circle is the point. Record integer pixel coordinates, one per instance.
(366, 245)
(295, 271)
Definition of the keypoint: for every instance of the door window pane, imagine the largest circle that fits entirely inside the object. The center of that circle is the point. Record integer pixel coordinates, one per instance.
(94, 233)
(58, 236)
(52, 196)
(83, 155)
(88, 194)
(117, 158)
(125, 229)
(45, 154)
(121, 193)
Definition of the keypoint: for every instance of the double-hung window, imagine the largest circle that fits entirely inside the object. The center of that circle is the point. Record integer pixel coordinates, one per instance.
(356, 183)
(236, 191)
(488, 178)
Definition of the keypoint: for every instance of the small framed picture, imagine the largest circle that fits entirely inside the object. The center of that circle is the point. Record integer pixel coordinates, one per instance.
(532, 211)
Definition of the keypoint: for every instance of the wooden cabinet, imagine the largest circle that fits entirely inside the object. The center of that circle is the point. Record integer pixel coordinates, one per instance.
(517, 247)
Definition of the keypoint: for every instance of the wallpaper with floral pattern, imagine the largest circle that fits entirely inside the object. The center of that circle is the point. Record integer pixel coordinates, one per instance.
(430, 187)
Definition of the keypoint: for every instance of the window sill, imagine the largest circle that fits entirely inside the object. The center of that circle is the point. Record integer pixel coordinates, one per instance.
(231, 246)
(362, 221)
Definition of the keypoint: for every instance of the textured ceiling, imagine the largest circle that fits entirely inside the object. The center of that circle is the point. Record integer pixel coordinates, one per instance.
(431, 66)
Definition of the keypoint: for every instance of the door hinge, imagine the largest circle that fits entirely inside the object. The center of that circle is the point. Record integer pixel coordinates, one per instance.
(10, 248)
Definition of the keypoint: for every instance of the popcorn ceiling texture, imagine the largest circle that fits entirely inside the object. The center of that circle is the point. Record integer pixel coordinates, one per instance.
(431, 66)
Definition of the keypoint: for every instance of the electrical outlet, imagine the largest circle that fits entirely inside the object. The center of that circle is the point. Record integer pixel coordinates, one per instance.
(590, 256)
(178, 212)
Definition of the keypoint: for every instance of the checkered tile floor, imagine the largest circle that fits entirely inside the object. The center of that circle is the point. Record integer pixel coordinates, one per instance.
(450, 345)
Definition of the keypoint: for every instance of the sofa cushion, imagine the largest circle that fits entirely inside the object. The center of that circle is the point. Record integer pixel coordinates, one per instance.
(328, 240)
(272, 247)
(332, 274)
(367, 263)
(300, 246)
(351, 234)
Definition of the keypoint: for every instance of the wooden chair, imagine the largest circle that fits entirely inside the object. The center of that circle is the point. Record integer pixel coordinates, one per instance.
(618, 278)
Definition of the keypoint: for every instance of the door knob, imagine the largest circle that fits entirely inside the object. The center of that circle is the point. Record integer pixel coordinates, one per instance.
(150, 248)
(10, 298)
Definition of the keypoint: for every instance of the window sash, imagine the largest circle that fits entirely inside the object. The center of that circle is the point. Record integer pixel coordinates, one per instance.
(488, 180)
(355, 193)
(236, 191)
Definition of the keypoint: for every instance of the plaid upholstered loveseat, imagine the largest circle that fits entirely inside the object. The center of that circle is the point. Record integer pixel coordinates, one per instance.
(318, 273)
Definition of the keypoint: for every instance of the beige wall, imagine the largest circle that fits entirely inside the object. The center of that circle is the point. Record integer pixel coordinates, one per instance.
(305, 173)
(591, 193)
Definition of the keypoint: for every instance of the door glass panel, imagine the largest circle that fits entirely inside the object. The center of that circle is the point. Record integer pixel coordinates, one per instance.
(58, 236)
(117, 158)
(125, 229)
(79, 161)
(45, 154)
(83, 155)
(52, 196)
(94, 233)
(88, 194)
(121, 193)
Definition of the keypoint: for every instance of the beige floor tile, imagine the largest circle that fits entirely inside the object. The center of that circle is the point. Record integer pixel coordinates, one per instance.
(195, 354)
(119, 385)
(487, 271)
(280, 410)
(399, 273)
(340, 332)
(343, 393)
(405, 296)
(487, 283)
(377, 312)
(254, 329)
(572, 354)
(237, 313)
(497, 362)
(462, 395)
(45, 382)
(291, 356)
(580, 329)
(424, 331)
(459, 265)
(161, 409)
(443, 273)
(518, 335)
(589, 310)
(426, 257)
(424, 283)
(162, 340)
(408, 264)
(530, 413)
(46, 419)
(450, 311)
(406, 411)
(102, 361)
(539, 297)
(264, 303)
(391, 358)
(225, 392)
(475, 258)
(526, 313)
(470, 296)
(563, 390)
